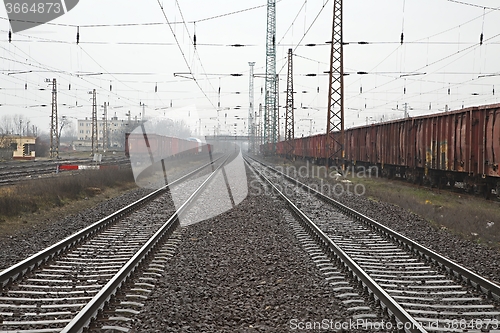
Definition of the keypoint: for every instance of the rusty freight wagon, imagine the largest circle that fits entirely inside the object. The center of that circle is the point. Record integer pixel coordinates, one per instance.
(439, 149)
(162, 146)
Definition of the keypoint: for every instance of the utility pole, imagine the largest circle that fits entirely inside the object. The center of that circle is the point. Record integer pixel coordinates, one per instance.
(335, 118)
(270, 110)
(251, 121)
(289, 113)
(261, 126)
(94, 124)
(105, 129)
(54, 137)
(276, 114)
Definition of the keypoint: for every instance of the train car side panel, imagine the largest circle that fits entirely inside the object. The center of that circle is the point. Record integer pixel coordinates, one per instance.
(493, 142)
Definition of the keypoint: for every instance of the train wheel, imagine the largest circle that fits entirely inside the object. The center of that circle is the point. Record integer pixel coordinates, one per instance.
(468, 185)
(487, 193)
(480, 189)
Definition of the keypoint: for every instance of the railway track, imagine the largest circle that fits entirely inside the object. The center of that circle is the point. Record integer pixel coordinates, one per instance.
(416, 287)
(15, 173)
(64, 287)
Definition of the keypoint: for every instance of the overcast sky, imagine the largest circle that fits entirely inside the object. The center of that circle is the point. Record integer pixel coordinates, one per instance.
(129, 47)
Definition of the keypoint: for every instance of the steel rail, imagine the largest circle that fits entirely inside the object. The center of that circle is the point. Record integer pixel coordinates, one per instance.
(489, 288)
(386, 301)
(10, 175)
(20, 269)
(98, 302)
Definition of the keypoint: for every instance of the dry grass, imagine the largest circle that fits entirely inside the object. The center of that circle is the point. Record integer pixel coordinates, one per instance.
(39, 194)
(465, 215)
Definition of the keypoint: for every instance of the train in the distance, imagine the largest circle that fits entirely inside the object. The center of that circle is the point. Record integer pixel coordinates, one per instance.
(138, 144)
(438, 149)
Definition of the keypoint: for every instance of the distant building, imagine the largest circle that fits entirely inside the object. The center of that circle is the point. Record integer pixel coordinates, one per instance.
(22, 147)
(116, 133)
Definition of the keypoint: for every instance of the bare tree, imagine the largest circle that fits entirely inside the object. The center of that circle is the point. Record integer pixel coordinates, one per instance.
(64, 122)
(6, 125)
(42, 145)
(13, 124)
(6, 141)
(169, 127)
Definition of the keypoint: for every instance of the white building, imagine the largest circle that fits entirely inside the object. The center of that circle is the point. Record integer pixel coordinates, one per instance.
(116, 133)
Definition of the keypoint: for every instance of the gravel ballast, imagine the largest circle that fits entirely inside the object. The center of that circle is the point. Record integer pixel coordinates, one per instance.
(242, 271)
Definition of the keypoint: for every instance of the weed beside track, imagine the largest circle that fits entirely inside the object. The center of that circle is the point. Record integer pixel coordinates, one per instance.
(43, 194)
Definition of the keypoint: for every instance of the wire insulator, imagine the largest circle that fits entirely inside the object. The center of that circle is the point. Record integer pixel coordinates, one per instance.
(77, 35)
(10, 36)
(69, 86)
(25, 86)
(449, 91)
(110, 87)
(194, 35)
(402, 38)
(481, 39)
(493, 90)
(156, 88)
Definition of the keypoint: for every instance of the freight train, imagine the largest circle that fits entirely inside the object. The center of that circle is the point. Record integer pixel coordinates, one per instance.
(438, 149)
(162, 146)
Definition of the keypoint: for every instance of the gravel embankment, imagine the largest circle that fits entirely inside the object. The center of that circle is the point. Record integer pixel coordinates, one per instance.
(241, 271)
(34, 239)
(477, 257)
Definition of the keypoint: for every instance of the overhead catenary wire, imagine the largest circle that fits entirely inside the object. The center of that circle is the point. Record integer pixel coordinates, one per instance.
(472, 4)
(307, 31)
(193, 41)
(135, 80)
(183, 55)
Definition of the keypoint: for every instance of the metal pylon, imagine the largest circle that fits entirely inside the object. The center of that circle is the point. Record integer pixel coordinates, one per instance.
(54, 134)
(251, 117)
(289, 113)
(271, 105)
(105, 128)
(94, 123)
(335, 119)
